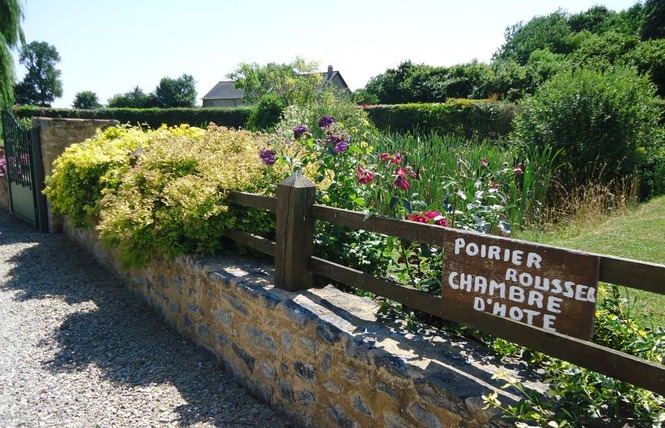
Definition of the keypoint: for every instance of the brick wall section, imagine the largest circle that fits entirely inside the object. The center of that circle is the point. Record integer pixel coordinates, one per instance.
(55, 136)
(321, 356)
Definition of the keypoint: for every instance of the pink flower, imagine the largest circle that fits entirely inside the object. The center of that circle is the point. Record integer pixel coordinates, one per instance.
(520, 169)
(364, 176)
(385, 157)
(483, 163)
(401, 183)
(401, 172)
(397, 158)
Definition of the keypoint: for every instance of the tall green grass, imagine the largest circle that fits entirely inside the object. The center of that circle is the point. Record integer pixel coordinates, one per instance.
(458, 174)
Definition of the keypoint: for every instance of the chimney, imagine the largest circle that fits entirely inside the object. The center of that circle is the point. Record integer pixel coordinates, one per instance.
(330, 71)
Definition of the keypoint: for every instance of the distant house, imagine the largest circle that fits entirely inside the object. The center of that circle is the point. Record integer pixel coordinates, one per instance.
(225, 94)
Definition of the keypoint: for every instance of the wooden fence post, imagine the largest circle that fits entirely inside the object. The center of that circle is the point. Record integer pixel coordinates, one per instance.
(295, 233)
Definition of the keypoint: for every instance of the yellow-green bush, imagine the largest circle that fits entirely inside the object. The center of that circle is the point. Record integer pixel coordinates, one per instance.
(84, 170)
(170, 199)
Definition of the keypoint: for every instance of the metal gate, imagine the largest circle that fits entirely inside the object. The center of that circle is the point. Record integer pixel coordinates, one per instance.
(25, 173)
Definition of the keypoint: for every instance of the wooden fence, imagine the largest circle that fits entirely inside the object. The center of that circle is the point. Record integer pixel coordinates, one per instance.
(295, 265)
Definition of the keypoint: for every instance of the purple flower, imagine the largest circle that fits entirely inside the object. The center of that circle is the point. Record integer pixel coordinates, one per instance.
(299, 131)
(326, 121)
(3, 166)
(341, 147)
(332, 140)
(267, 156)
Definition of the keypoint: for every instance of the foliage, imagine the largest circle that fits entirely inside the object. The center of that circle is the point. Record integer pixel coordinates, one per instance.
(179, 92)
(542, 32)
(169, 93)
(86, 100)
(533, 53)
(295, 82)
(156, 191)
(654, 20)
(41, 84)
(466, 118)
(613, 117)
(326, 102)
(10, 36)
(154, 117)
(580, 397)
(173, 200)
(266, 113)
(135, 98)
(591, 20)
(649, 58)
(85, 170)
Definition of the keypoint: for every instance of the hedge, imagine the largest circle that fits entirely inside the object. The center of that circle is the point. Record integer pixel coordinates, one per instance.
(152, 117)
(463, 117)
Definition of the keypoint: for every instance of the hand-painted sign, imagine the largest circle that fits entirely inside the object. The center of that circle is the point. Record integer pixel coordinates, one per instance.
(547, 287)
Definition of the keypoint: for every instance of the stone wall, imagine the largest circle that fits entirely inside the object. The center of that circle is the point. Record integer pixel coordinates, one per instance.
(55, 136)
(320, 355)
(4, 193)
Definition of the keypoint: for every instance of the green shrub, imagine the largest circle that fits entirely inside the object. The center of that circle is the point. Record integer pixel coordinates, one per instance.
(460, 117)
(266, 113)
(150, 117)
(603, 121)
(173, 200)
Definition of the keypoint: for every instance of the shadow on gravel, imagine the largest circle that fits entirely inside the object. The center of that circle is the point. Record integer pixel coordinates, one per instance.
(122, 336)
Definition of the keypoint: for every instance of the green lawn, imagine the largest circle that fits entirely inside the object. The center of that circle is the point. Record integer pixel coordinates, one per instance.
(637, 234)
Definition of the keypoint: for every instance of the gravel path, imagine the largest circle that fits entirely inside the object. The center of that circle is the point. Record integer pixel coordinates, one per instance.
(77, 350)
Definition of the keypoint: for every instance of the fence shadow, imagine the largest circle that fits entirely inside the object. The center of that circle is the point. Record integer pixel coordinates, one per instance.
(121, 335)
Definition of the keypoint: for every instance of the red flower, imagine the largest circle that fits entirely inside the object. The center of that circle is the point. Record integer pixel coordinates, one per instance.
(397, 158)
(401, 172)
(430, 217)
(401, 183)
(385, 157)
(417, 218)
(364, 176)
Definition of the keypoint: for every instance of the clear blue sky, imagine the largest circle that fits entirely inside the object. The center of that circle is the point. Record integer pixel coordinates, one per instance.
(109, 47)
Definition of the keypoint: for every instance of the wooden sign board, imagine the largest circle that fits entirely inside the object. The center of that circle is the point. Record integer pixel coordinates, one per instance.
(546, 287)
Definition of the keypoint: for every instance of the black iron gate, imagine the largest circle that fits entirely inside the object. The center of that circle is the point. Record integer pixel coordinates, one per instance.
(25, 173)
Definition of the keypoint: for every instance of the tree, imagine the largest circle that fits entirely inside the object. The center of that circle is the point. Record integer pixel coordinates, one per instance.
(294, 82)
(654, 20)
(10, 36)
(180, 92)
(542, 32)
(86, 100)
(41, 84)
(135, 98)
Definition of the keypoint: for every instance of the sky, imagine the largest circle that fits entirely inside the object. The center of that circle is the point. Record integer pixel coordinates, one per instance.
(110, 47)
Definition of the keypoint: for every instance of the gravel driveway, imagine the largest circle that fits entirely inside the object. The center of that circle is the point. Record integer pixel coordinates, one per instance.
(77, 350)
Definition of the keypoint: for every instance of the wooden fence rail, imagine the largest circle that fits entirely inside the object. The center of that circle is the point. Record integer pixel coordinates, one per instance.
(295, 266)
